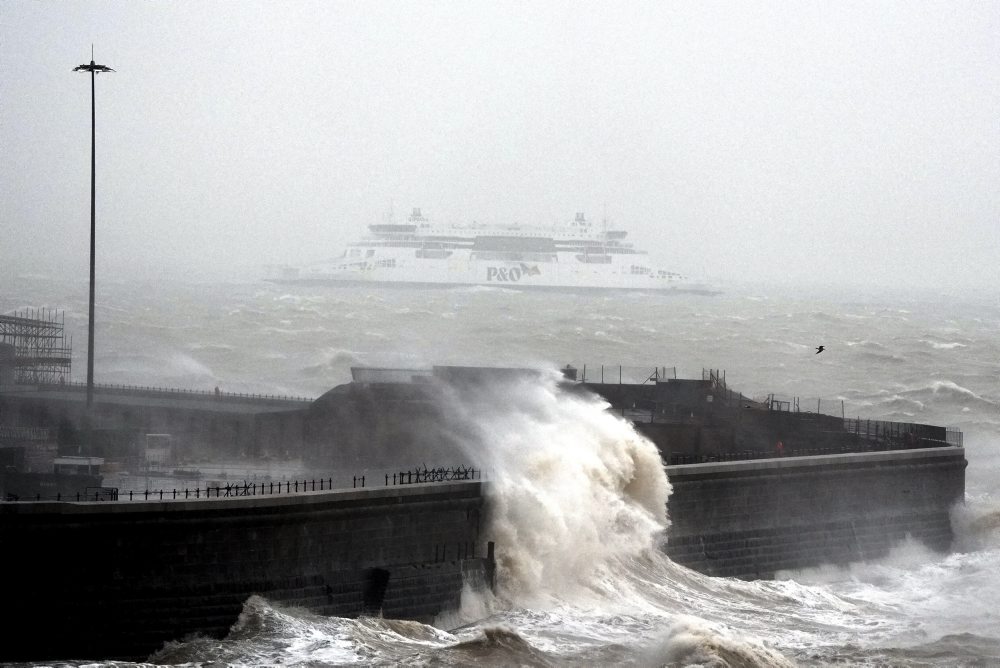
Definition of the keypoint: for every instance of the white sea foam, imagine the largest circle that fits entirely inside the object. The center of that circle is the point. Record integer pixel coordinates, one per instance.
(937, 345)
(692, 642)
(574, 488)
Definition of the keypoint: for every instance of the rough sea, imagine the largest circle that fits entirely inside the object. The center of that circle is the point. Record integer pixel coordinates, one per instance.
(578, 496)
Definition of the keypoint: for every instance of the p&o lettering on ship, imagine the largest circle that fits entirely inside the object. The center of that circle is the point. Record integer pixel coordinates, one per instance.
(511, 274)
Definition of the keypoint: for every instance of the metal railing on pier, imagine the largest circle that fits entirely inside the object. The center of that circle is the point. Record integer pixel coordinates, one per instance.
(10, 433)
(114, 388)
(434, 475)
(618, 374)
(246, 488)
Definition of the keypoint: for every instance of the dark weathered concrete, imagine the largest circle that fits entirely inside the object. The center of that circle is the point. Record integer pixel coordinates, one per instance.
(227, 425)
(750, 519)
(117, 579)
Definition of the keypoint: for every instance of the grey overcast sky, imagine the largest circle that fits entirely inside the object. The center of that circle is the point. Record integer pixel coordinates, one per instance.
(840, 142)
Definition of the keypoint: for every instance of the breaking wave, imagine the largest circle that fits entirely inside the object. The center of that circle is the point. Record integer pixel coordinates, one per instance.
(574, 488)
(951, 393)
(692, 642)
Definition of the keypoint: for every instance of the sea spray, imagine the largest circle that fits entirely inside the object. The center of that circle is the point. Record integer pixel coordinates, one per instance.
(573, 487)
(577, 508)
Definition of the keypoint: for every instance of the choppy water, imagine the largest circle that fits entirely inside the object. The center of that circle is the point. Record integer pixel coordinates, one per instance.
(582, 582)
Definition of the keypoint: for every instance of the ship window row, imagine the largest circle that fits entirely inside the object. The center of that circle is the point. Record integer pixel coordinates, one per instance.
(432, 253)
(593, 258)
(598, 250)
(410, 244)
(514, 244)
(513, 256)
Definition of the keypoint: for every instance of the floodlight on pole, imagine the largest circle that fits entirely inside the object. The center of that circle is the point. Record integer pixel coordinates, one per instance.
(94, 69)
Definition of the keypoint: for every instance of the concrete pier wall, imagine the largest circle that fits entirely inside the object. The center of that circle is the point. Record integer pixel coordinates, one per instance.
(106, 580)
(750, 519)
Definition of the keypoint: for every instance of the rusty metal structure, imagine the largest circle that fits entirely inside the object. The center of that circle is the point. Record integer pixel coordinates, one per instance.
(42, 353)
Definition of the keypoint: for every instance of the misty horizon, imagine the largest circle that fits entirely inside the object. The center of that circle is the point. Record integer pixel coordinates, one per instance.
(846, 145)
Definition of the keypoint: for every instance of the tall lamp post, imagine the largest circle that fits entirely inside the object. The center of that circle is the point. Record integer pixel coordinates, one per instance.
(93, 68)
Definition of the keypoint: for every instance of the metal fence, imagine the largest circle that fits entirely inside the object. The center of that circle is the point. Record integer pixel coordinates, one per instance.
(246, 488)
(10, 433)
(434, 475)
(114, 388)
(619, 374)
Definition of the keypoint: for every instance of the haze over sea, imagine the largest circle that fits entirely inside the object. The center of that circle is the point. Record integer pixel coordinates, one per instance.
(582, 580)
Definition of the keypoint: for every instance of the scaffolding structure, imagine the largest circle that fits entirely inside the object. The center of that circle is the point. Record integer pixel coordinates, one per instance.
(42, 353)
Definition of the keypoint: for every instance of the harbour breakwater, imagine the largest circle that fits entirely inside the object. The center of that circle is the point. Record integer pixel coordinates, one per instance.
(116, 579)
(111, 579)
(752, 519)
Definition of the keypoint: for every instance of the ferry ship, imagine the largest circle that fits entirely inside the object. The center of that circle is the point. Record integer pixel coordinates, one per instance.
(577, 255)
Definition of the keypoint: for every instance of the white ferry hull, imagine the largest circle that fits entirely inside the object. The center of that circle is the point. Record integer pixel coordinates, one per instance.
(576, 256)
(519, 275)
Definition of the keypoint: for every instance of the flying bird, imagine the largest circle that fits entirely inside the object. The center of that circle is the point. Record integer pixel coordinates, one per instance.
(819, 349)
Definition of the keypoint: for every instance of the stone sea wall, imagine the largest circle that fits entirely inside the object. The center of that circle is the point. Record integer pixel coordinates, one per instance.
(106, 580)
(750, 519)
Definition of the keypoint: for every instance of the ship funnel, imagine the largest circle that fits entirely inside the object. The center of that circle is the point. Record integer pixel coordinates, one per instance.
(416, 212)
(579, 217)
